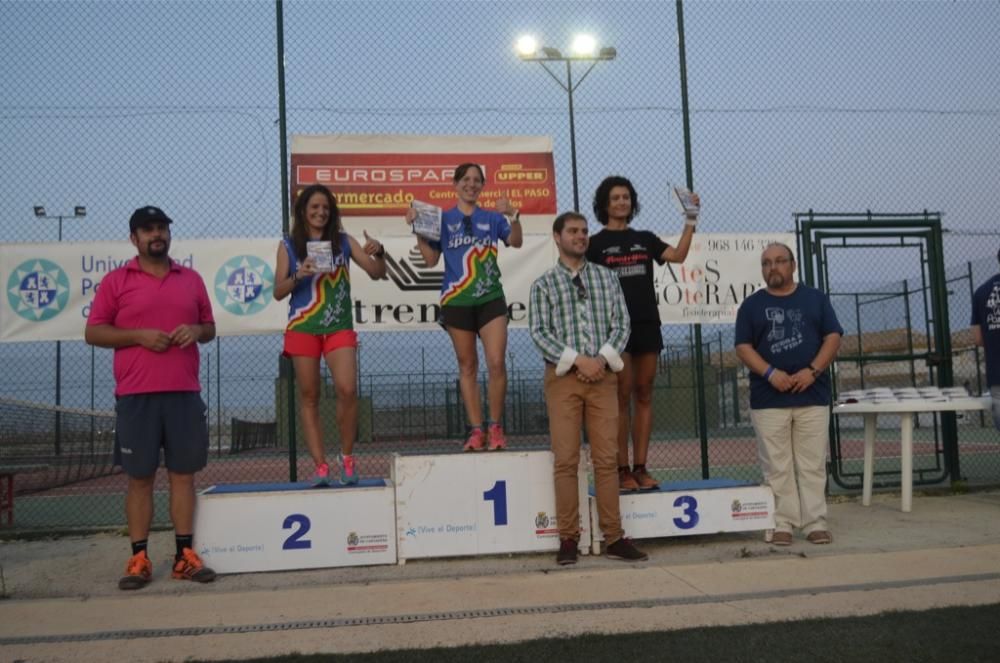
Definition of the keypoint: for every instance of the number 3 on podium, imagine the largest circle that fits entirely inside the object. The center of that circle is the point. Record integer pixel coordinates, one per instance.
(690, 515)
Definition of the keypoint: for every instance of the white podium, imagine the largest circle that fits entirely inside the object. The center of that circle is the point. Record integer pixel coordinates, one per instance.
(479, 504)
(270, 527)
(708, 506)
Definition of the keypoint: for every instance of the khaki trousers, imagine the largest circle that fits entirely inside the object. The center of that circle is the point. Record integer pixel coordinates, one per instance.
(792, 443)
(571, 404)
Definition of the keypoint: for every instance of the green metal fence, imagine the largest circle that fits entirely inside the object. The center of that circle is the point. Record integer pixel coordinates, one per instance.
(842, 106)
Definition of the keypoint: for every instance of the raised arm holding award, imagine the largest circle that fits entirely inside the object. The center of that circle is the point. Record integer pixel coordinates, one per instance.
(428, 221)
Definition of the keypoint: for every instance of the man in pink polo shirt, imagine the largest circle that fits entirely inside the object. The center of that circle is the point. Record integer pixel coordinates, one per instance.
(153, 311)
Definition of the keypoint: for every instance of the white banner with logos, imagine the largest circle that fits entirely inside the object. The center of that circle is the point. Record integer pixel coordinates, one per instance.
(48, 288)
(721, 271)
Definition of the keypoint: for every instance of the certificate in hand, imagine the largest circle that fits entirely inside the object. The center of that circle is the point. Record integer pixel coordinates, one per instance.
(322, 253)
(684, 200)
(428, 221)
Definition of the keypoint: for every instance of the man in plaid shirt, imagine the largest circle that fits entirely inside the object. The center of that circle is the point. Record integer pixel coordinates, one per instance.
(578, 321)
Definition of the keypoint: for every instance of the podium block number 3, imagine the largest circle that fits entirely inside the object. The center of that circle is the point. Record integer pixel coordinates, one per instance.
(295, 541)
(498, 495)
(690, 515)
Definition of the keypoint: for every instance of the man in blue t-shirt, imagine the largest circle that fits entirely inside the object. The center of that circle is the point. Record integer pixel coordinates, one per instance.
(986, 332)
(787, 335)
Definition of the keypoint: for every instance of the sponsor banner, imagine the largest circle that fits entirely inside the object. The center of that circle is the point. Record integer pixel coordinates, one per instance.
(49, 288)
(375, 177)
(721, 271)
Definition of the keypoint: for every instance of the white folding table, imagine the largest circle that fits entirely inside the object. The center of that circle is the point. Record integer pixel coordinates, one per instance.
(905, 408)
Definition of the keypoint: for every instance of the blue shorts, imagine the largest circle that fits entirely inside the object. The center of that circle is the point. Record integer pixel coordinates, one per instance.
(175, 421)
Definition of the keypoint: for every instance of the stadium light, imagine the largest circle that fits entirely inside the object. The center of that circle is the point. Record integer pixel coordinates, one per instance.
(79, 211)
(583, 50)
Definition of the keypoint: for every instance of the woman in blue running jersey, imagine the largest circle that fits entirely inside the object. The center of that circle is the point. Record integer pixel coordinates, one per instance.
(472, 299)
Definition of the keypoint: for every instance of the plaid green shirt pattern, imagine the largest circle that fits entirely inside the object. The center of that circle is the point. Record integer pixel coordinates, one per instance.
(587, 317)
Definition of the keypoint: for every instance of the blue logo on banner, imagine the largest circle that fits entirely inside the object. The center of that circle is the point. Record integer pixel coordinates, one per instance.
(38, 290)
(243, 285)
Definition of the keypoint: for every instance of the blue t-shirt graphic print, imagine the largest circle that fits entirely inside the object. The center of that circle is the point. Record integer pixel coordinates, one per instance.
(787, 332)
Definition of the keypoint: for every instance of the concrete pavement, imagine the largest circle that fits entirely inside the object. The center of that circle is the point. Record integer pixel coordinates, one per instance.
(64, 604)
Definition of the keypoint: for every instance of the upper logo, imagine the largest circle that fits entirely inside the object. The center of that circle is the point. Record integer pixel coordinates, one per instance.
(416, 277)
(38, 290)
(243, 285)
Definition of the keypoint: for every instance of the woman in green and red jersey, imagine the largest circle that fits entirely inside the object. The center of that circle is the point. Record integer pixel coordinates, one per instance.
(320, 320)
(472, 299)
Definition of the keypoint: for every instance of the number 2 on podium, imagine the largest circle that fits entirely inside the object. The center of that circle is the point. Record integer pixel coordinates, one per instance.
(498, 495)
(295, 540)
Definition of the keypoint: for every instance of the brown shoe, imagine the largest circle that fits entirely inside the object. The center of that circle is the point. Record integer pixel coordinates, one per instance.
(819, 537)
(626, 481)
(567, 552)
(643, 478)
(781, 539)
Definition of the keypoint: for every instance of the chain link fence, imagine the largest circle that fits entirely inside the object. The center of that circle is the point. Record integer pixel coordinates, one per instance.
(836, 106)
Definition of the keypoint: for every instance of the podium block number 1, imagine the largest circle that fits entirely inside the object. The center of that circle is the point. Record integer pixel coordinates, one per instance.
(498, 495)
(295, 541)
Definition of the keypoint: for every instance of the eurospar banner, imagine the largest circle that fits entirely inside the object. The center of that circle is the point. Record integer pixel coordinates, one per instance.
(376, 177)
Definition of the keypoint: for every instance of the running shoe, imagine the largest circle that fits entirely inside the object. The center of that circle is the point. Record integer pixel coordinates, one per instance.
(348, 475)
(626, 481)
(498, 441)
(321, 477)
(476, 440)
(643, 478)
(138, 572)
(190, 567)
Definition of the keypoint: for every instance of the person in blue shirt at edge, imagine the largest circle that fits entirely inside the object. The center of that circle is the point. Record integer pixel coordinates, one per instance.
(986, 332)
(472, 298)
(321, 322)
(787, 335)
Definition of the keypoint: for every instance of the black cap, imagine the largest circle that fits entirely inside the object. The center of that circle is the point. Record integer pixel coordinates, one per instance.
(147, 215)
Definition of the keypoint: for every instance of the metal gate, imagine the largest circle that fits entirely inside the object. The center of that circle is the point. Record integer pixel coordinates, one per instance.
(895, 250)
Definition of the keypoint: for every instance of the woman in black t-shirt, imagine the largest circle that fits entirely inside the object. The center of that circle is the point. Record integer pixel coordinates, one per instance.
(631, 254)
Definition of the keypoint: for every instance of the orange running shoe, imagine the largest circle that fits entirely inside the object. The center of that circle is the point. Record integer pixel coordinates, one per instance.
(190, 567)
(138, 572)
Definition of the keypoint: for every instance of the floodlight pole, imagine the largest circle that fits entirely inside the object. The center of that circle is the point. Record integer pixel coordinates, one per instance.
(552, 55)
(78, 213)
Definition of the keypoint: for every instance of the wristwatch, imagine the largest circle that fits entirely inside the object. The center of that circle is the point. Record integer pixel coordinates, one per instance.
(815, 371)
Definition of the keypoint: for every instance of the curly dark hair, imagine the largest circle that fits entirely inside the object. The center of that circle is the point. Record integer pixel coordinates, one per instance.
(300, 234)
(603, 196)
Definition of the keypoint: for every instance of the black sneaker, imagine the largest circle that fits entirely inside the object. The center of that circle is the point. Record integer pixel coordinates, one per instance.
(623, 549)
(567, 552)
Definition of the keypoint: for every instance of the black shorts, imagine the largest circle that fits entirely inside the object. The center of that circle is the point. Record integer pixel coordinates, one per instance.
(473, 318)
(174, 420)
(645, 337)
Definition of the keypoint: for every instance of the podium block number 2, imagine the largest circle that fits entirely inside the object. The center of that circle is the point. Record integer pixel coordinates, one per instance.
(295, 541)
(498, 495)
